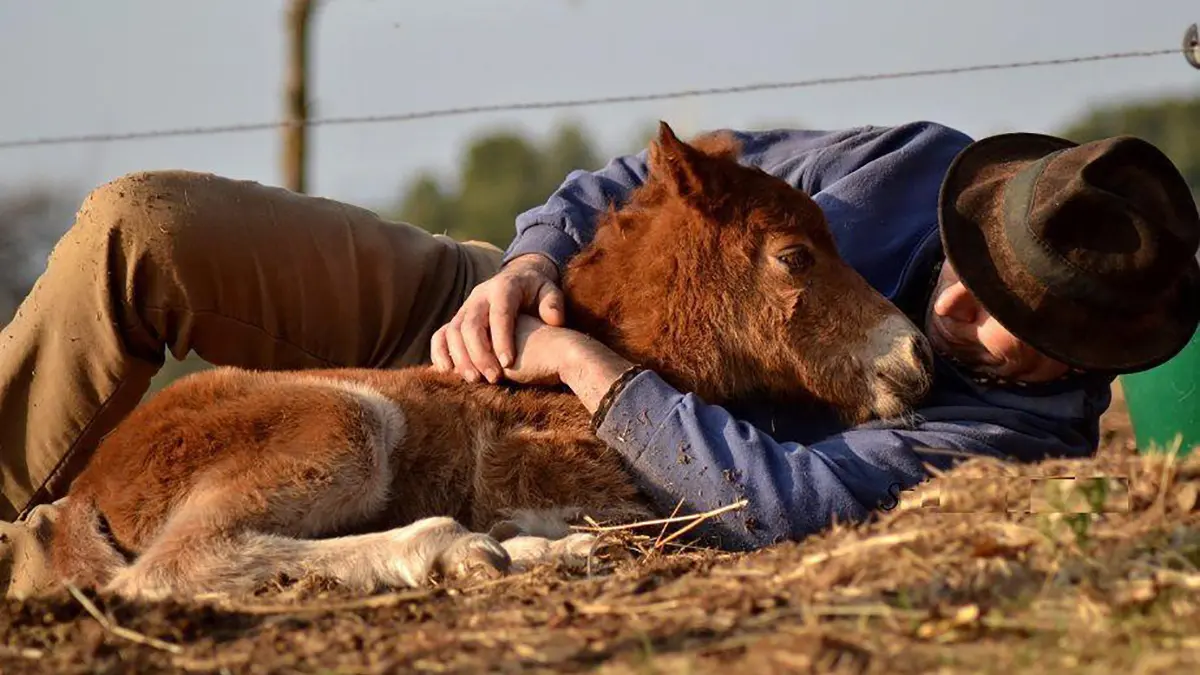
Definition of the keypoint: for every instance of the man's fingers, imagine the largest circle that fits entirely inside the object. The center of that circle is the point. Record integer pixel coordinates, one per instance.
(458, 353)
(439, 351)
(550, 304)
(478, 344)
(502, 317)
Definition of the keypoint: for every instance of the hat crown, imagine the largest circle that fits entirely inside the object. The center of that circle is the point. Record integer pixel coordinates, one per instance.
(1099, 214)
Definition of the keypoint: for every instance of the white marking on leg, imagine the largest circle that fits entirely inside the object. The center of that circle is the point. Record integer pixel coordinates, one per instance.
(528, 552)
(553, 523)
(404, 557)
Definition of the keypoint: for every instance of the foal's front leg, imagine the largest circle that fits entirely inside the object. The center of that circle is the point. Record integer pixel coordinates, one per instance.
(534, 537)
(578, 474)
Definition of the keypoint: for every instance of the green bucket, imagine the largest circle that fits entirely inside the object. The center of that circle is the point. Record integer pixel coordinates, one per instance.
(1164, 402)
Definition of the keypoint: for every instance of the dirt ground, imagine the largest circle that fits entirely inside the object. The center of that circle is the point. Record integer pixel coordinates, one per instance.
(1079, 567)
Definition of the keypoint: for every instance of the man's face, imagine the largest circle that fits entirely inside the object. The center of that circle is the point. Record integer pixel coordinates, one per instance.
(960, 328)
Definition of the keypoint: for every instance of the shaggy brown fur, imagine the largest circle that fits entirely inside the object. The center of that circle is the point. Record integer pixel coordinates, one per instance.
(723, 279)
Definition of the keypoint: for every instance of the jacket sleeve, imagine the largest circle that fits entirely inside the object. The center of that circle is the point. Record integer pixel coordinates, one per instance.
(681, 449)
(566, 223)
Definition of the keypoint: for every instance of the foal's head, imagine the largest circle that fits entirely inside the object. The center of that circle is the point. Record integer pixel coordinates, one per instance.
(727, 281)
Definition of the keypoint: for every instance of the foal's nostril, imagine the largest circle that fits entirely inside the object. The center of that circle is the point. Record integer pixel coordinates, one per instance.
(903, 369)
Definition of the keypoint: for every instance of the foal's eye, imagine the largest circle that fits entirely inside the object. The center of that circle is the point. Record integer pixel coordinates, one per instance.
(796, 260)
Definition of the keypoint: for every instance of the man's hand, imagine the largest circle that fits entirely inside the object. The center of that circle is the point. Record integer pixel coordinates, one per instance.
(549, 355)
(542, 351)
(480, 339)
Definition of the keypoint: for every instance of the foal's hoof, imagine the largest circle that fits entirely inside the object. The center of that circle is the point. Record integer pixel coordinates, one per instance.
(578, 551)
(473, 557)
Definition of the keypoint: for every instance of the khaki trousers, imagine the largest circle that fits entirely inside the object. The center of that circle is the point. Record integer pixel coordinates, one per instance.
(241, 273)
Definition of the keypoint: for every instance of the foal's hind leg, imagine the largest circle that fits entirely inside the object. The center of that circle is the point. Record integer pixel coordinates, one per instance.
(407, 556)
(254, 514)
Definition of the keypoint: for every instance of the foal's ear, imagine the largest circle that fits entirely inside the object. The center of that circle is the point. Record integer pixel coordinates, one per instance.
(686, 170)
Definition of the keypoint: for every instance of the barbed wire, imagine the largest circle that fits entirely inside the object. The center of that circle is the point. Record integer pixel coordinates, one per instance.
(570, 103)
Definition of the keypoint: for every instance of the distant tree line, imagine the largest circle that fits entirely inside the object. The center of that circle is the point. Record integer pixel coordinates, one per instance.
(1172, 124)
(501, 174)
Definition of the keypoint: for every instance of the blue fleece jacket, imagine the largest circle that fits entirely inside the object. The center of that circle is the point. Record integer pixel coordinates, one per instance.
(878, 187)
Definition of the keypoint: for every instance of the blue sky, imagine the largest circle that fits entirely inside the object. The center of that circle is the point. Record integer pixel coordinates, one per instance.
(95, 66)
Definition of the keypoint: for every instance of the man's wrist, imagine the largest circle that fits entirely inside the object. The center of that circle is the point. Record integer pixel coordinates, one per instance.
(590, 369)
(538, 262)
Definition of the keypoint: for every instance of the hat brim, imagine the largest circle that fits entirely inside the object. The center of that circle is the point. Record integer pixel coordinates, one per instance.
(1082, 337)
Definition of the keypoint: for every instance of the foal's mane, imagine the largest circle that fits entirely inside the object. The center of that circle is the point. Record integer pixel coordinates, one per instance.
(668, 160)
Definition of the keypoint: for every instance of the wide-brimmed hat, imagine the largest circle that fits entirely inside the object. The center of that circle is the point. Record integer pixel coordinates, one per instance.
(1086, 252)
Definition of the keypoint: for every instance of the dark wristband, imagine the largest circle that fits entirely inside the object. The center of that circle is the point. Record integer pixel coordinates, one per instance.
(611, 395)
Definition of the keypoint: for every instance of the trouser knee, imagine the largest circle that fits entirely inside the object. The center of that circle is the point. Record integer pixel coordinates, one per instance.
(133, 215)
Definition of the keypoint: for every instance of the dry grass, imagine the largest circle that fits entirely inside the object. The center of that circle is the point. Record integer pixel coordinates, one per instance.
(1085, 566)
